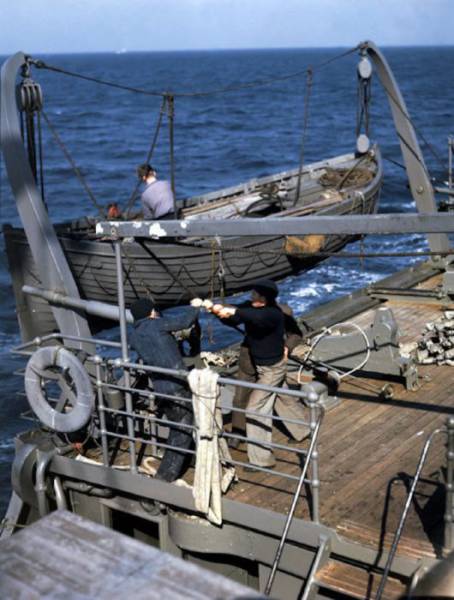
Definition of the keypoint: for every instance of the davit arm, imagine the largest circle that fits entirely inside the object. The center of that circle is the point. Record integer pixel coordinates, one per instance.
(45, 247)
(420, 185)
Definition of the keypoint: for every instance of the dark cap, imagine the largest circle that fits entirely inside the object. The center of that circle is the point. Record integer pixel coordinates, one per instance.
(266, 288)
(145, 170)
(142, 308)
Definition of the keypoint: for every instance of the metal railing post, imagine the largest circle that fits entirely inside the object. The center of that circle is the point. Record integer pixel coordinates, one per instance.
(296, 496)
(449, 509)
(312, 400)
(450, 152)
(101, 408)
(403, 518)
(124, 354)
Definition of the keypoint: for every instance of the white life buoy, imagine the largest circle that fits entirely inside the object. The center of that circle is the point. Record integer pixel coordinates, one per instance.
(82, 409)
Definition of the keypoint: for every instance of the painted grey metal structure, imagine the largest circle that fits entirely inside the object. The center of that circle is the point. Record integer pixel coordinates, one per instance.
(45, 247)
(67, 556)
(353, 224)
(248, 532)
(418, 175)
(91, 307)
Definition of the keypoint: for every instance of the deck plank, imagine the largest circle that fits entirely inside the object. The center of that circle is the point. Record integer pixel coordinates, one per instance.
(366, 442)
(65, 556)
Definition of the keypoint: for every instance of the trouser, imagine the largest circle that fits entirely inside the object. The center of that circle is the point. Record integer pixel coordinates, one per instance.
(246, 372)
(259, 427)
(285, 406)
(173, 462)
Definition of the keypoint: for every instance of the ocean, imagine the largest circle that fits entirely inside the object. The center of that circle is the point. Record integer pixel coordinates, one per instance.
(221, 139)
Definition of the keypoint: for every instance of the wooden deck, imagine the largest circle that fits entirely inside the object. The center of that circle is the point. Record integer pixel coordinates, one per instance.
(369, 449)
(66, 556)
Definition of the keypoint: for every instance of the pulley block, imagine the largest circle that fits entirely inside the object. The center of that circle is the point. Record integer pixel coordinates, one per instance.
(29, 96)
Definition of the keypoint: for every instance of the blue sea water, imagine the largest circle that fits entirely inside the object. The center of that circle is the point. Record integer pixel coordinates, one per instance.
(221, 139)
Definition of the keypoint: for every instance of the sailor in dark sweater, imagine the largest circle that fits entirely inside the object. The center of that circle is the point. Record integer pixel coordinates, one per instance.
(263, 321)
(285, 406)
(153, 340)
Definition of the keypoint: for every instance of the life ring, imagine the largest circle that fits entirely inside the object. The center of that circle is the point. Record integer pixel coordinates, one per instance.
(58, 356)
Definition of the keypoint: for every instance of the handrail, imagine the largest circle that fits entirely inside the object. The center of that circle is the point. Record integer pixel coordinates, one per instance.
(291, 513)
(316, 415)
(397, 535)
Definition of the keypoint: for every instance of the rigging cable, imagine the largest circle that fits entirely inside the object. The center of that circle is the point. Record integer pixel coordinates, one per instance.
(307, 97)
(232, 88)
(364, 93)
(76, 170)
(40, 151)
(170, 122)
(417, 131)
(149, 155)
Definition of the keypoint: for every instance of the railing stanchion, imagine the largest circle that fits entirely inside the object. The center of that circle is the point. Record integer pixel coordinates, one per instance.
(291, 513)
(124, 354)
(403, 518)
(102, 414)
(449, 509)
(315, 480)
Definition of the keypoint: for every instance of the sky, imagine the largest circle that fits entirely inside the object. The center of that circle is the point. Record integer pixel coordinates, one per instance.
(114, 25)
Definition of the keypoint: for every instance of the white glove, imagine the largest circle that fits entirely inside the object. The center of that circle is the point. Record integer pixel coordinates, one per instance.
(227, 311)
(196, 302)
(207, 304)
(216, 308)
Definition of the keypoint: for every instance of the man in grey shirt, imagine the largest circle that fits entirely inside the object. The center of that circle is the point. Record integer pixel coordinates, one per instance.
(157, 198)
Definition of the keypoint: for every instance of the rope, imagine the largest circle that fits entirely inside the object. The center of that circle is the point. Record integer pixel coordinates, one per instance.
(170, 121)
(39, 64)
(307, 96)
(197, 93)
(364, 97)
(329, 331)
(40, 151)
(350, 171)
(149, 154)
(326, 254)
(75, 168)
(31, 148)
(419, 133)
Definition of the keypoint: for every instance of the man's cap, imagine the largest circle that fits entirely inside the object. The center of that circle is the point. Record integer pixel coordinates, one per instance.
(142, 308)
(266, 288)
(144, 170)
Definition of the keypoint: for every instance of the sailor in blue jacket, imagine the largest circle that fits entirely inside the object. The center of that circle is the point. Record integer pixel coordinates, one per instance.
(152, 338)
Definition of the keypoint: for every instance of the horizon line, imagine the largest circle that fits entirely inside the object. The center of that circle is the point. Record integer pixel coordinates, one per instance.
(122, 51)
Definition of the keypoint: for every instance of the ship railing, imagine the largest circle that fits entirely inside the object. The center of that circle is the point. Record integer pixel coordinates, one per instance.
(448, 430)
(120, 402)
